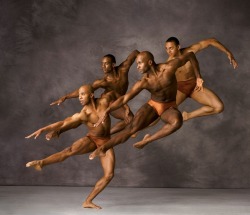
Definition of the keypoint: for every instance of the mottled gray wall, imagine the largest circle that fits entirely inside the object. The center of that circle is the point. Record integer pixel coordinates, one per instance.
(49, 48)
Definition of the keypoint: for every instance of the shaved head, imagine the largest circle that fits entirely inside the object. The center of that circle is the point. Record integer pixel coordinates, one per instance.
(87, 88)
(146, 55)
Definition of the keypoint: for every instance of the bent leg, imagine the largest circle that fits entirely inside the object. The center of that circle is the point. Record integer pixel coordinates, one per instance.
(81, 146)
(143, 118)
(173, 119)
(212, 104)
(108, 165)
(120, 114)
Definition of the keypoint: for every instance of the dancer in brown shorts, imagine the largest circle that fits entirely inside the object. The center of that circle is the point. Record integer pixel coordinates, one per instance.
(160, 81)
(211, 103)
(186, 87)
(96, 137)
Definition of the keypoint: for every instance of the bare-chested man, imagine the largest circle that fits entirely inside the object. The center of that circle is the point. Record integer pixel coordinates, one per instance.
(186, 78)
(96, 137)
(115, 79)
(160, 81)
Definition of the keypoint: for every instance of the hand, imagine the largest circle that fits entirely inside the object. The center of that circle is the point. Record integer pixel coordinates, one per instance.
(102, 118)
(59, 101)
(199, 84)
(127, 118)
(232, 61)
(36, 134)
(51, 135)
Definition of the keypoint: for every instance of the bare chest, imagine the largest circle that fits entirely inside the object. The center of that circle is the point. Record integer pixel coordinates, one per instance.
(185, 72)
(160, 82)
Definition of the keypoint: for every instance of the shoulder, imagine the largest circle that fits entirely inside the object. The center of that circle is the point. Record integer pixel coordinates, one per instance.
(99, 82)
(122, 68)
(105, 99)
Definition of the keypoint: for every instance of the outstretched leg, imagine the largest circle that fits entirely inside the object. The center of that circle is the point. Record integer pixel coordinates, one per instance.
(143, 118)
(81, 146)
(108, 165)
(173, 119)
(212, 104)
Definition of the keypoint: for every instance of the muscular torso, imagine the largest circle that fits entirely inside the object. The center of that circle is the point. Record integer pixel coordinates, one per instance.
(185, 72)
(163, 85)
(117, 82)
(90, 117)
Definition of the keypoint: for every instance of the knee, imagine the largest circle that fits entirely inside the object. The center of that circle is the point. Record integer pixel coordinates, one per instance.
(219, 108)
(108, 177)
(177, 123)
(68, 151)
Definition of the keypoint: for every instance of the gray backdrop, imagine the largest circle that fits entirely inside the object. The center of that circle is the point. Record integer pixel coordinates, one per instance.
(49, 48)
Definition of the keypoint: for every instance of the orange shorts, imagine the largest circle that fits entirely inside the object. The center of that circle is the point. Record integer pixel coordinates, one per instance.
(160, 107)
(187, 87)
(99, 141)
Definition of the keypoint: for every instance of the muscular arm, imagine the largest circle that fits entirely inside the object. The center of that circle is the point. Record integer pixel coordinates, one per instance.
(73, 94)
(96, 85)
(215, 43)
(129, 61)
(61, 126)
(135, 90)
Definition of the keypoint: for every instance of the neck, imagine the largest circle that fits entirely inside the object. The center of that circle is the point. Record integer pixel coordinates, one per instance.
(91, 104)
(153, 69)
(112, 73)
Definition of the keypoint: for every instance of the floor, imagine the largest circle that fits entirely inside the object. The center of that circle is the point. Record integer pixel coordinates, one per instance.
(28, 200)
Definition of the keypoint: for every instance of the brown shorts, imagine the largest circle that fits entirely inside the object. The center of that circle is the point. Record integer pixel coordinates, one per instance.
(99, 141)
(187, 87)
(160, 107)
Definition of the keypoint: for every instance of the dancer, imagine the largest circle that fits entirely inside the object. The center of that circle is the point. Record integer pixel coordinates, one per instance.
(186, 79)
(96, 137)
(160, 81)
(115, 79)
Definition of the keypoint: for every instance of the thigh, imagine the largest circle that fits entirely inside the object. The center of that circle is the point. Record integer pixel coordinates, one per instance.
(108, 161)
(144, 117)
(206, 97)
(120, 113)
(83, 146)
(180, 97)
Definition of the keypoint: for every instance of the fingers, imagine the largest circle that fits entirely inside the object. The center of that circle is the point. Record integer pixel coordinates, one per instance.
(29, 136)
(32, 136)
(101, 120)
(235, 65)
(55, 103)
(48, 137)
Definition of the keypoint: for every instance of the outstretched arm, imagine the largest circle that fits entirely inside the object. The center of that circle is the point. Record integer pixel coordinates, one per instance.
(101, 83)
(215, 43)
(59, 127)
(73, 94)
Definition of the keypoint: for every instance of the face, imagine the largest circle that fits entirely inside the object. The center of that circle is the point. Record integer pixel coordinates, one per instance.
(142, 64)
(84, 96)
(107, 65)
(172, 49)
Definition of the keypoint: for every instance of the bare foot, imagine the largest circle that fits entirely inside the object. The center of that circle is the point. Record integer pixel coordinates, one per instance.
(37, 164)
(142, 143)
(185, 115)
(90, 205)
(98, 152)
